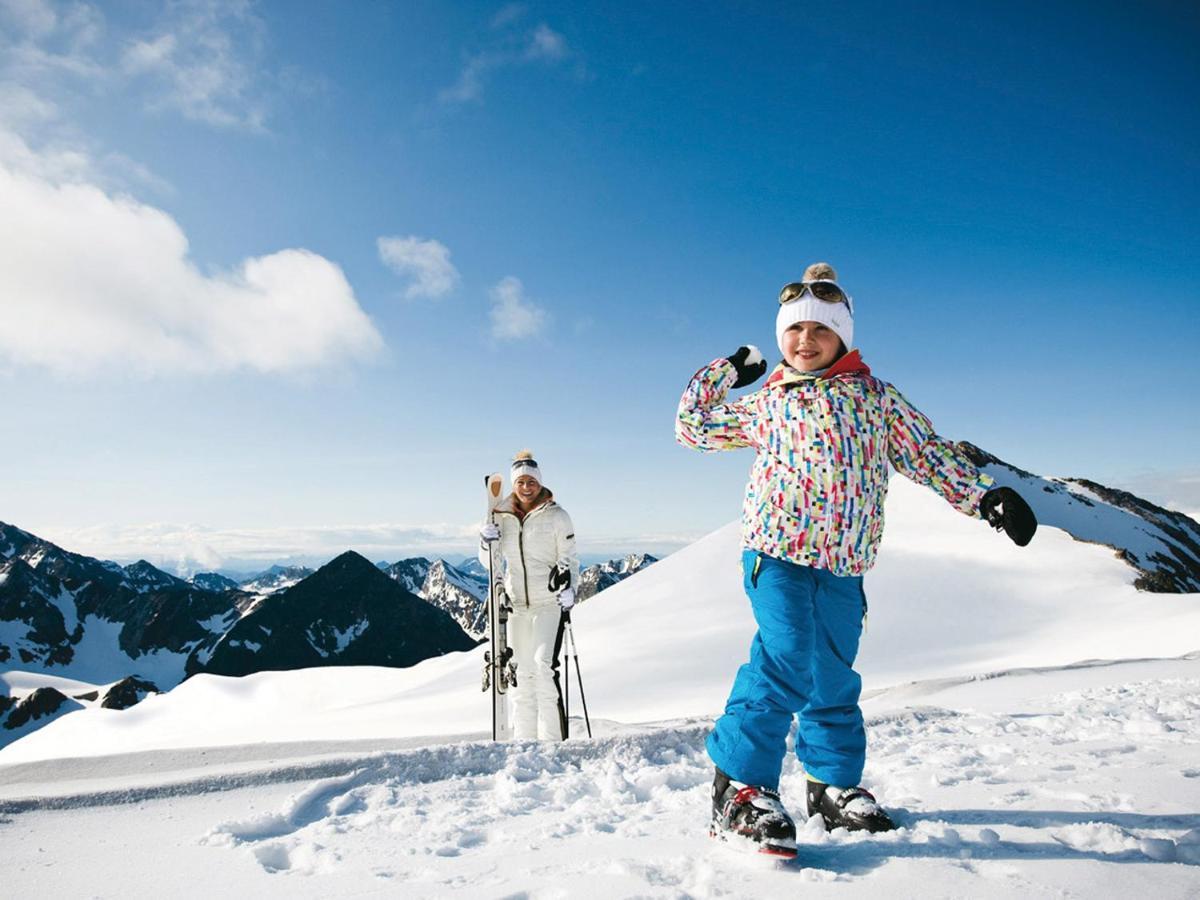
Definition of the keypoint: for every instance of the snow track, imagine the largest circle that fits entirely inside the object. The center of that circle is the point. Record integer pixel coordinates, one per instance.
(234, 768)
(1080, 780)
(1051, 784)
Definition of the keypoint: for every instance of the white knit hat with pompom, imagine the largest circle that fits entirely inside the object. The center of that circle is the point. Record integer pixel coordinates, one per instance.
(837, 316)
(525, 464)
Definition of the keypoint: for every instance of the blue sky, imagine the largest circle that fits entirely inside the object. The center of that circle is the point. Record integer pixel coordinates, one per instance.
(281, 278)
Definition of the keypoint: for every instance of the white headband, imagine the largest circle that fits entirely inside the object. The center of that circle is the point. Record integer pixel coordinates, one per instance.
(526, 467)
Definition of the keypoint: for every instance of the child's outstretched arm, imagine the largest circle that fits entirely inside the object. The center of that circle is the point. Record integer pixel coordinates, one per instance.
(704, 421)
(919, 453)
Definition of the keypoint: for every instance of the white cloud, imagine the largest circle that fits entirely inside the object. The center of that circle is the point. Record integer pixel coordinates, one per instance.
(30, 17)
(39, 39)
(61, 155)
(189, 548)
(508, 14)
(21, 106)
(201, 58)
(511, 49)
(469, 85)
(96, 281)
(145, 56)
(1177, 490)
(202, 61)
(546, 43)
(513, 315)
(93, 279)
(54, 162)
(425, 262)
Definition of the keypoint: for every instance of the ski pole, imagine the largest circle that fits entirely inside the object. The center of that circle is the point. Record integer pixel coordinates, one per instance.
(578, 674)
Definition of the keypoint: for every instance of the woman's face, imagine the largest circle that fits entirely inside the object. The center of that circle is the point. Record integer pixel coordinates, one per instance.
(808, 346)
(527, 488)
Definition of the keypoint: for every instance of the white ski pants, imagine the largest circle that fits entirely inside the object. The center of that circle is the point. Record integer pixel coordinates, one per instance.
(535, 635)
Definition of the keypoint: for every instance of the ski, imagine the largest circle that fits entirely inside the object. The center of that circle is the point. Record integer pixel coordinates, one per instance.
(499, 668)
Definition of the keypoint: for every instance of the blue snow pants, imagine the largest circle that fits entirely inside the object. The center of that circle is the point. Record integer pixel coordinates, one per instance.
(801, 662)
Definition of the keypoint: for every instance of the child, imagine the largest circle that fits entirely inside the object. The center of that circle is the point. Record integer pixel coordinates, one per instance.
(824, 430)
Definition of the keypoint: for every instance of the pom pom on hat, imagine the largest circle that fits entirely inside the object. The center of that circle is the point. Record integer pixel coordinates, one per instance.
(821, 271)
(837, 316)
(524, 464)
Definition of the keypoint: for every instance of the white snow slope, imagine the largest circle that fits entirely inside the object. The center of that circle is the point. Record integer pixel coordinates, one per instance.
(1070, 779)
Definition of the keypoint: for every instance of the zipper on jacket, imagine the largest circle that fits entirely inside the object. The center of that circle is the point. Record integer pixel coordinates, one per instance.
(524, 568)
(521, 546)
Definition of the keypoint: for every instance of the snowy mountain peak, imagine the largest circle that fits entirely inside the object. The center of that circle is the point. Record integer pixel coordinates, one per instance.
(1163, 546)
(460, 595)
(346, 613)
(276, 578)
(442, 570)
(409, 573)
(37, 552)
(213, 581)
(142, 577)
(594, 579)
(13, 540)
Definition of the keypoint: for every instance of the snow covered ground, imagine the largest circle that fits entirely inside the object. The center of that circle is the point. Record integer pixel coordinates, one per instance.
(1079, 781)
(1014, 769)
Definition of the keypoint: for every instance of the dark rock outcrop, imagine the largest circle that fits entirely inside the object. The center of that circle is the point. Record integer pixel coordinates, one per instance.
(45, 701)
(127, 692)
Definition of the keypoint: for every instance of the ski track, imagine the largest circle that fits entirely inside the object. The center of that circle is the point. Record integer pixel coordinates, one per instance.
(1058, 786)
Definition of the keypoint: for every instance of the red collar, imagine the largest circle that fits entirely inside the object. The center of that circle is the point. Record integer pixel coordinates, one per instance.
(850, 364)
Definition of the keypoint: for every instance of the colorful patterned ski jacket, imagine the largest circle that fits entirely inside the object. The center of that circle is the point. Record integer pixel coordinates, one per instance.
(820, 476)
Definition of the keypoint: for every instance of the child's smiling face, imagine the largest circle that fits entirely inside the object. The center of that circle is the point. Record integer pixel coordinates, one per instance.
(808, 346)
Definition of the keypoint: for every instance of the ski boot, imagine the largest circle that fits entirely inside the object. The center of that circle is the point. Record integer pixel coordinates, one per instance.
(851, 808)
(753, 815)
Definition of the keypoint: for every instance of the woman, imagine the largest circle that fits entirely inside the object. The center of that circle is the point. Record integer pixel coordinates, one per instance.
(537, 544)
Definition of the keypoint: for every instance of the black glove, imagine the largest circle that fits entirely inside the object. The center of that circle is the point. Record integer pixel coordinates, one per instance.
(750, 365)
(1006, 511)
(560, 579)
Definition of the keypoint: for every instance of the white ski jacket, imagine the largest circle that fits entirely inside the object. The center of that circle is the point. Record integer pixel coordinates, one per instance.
(531, 548)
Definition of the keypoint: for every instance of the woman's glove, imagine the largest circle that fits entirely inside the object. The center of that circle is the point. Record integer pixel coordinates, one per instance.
(1006, 511)
(566, 599)
(489, 532)
(560, 579)
(750, 365)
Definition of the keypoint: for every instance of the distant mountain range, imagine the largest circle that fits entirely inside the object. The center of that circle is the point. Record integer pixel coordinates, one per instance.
(141, 630)
(67, 618)
(461, 590)
(594, 579)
